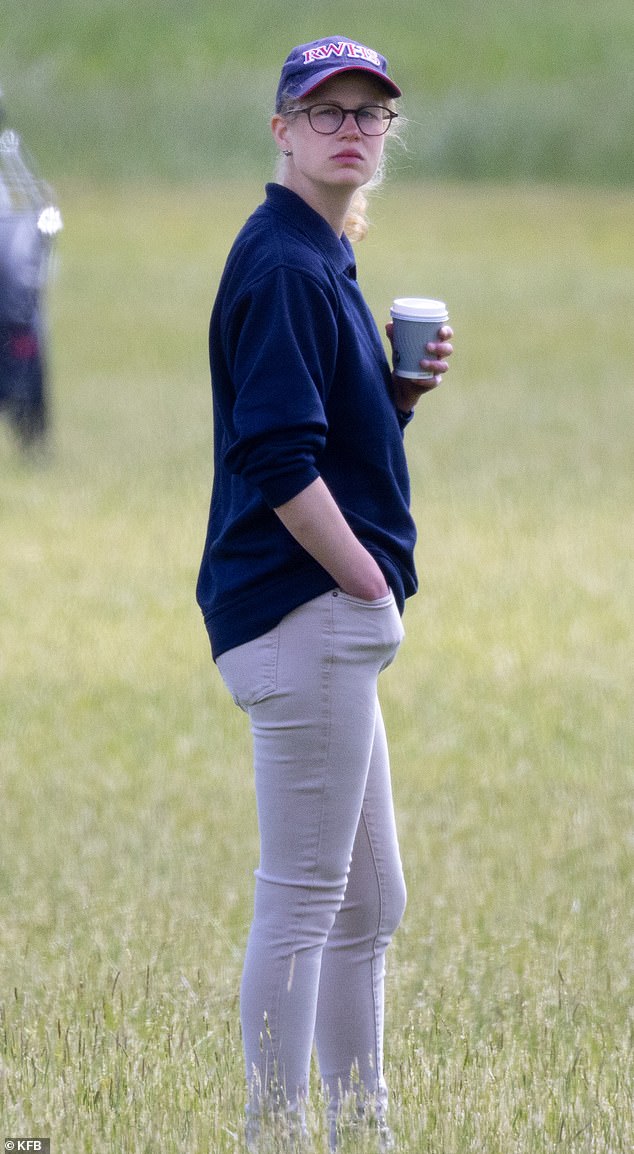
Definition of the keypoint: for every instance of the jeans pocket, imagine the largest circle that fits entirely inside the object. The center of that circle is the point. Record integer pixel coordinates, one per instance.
(250, 671)
(373, 625)
(380, 603)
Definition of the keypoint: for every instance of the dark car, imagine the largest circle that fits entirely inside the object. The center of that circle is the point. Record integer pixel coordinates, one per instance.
(28, 223)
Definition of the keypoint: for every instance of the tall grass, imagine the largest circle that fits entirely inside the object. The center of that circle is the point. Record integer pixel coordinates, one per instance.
(500, 91)
(127, 816)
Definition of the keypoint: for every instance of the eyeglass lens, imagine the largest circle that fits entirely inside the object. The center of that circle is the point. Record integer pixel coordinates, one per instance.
(371, 119)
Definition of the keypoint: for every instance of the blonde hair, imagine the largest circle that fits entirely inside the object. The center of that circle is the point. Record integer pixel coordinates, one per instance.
(357, 223)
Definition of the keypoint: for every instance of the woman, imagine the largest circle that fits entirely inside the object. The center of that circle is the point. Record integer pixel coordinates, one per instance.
(307, 565)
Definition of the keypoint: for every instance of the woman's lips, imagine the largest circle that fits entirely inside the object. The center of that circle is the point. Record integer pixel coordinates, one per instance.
(348, 154)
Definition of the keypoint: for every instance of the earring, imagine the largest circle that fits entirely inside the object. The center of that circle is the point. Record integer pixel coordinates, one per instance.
(286, 152)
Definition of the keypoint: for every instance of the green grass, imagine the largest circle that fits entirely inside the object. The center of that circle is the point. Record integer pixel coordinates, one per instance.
(127, 813)
(157, 89)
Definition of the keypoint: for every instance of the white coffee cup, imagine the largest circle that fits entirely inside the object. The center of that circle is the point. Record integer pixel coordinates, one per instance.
(416, 321)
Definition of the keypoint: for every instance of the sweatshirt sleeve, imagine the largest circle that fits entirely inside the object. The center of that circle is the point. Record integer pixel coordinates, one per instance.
(281, 348)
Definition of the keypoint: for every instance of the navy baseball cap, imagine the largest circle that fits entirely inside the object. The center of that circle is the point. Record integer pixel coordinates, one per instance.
(309, 65)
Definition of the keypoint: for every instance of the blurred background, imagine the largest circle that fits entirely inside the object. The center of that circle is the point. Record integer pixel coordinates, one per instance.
(182, 91)
(128, 822)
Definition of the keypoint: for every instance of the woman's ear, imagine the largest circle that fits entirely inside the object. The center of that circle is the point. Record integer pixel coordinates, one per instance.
(279, 128)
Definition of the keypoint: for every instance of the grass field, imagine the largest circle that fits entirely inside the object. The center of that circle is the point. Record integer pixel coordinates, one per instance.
(502, 90)
(127, 814)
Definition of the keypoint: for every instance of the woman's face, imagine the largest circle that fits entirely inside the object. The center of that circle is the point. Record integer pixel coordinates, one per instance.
(347, 159)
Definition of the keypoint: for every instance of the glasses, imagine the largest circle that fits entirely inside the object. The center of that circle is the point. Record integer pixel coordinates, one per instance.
(326, 119)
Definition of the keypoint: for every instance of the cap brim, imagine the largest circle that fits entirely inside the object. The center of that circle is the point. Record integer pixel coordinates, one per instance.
(327, 73)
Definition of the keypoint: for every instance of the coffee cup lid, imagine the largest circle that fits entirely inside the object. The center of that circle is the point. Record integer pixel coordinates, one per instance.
(419, 308)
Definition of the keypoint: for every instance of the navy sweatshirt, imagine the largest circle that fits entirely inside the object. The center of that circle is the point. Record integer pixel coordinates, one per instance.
(301, 389)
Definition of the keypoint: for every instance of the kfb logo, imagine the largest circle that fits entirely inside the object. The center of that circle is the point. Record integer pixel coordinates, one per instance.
(41, 1145)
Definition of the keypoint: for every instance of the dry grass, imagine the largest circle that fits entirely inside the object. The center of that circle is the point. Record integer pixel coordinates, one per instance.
(128, 827)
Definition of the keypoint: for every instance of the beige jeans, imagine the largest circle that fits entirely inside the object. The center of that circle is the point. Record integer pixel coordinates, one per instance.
(329, 887)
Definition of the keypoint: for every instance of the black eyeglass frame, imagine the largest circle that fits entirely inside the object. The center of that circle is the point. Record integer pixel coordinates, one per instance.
(387, 116)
